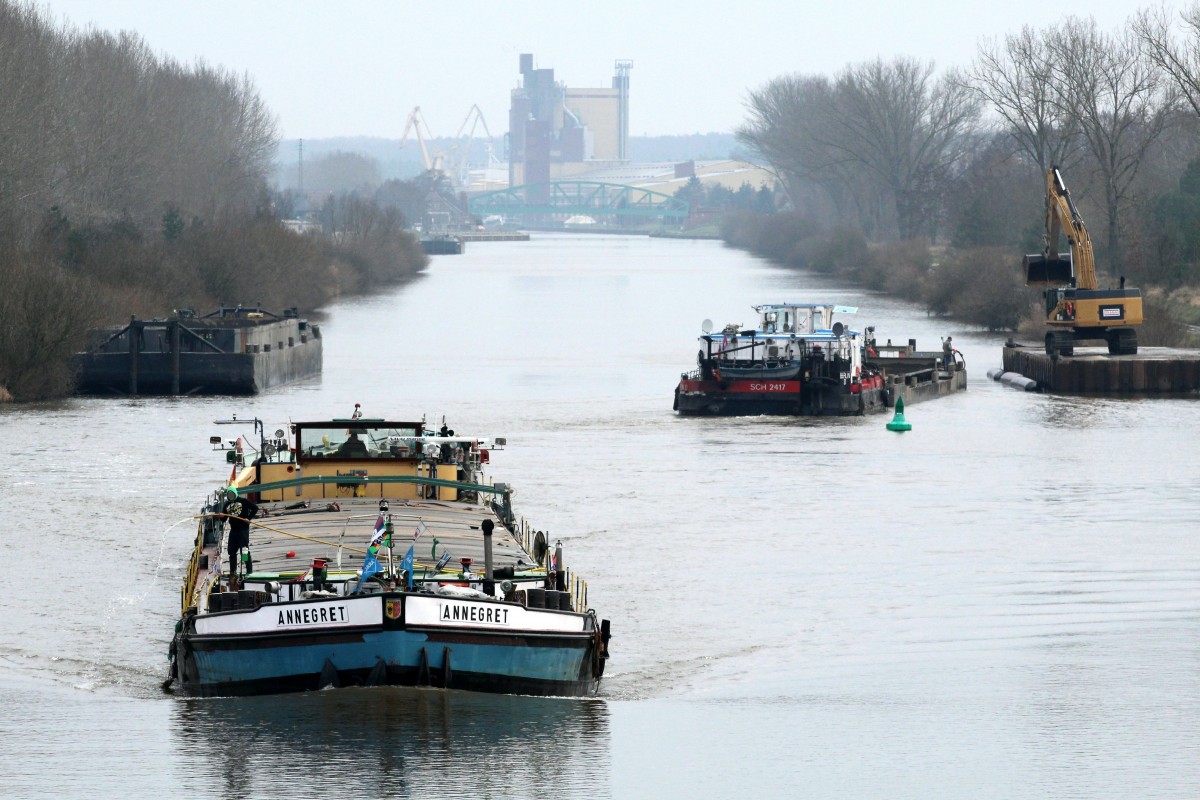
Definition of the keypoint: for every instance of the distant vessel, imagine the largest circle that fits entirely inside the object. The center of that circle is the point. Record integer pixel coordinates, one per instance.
(797, 360)
(443, 245)
(371, 552)
(233, 350)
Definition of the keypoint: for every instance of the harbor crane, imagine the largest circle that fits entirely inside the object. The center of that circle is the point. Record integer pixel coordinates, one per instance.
(416, 121)
(459, 160)
(453, 165)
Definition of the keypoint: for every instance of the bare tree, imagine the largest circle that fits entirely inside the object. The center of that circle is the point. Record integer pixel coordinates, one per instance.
(29, 52)
(794, 123)
(1123, 102)
(782, 115)
(1178, 59)
(97, 125)
(880, 136)
(908, 129)
(1016, 78)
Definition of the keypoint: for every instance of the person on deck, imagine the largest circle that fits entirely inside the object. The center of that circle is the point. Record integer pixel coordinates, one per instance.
(948, 354)
(240, 511)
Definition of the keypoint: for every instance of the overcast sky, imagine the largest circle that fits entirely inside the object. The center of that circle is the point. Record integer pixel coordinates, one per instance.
(358, 67)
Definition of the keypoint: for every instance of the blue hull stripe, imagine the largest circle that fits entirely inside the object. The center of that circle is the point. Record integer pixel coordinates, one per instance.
(398, 649)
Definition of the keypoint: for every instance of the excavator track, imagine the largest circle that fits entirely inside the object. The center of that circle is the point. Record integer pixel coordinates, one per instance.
(1060, 343)
(1123, 342)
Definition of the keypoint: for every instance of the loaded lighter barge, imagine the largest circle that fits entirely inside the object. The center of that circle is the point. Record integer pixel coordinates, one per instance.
(799, 361)
(233, 350)
(375, 552)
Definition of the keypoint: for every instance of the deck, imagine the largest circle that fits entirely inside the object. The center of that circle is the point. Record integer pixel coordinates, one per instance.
(342, 536)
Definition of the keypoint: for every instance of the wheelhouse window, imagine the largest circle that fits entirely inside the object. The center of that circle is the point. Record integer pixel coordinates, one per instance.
(359, 439)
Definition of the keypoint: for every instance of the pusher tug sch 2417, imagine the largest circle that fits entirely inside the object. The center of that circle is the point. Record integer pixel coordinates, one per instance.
(798, 361)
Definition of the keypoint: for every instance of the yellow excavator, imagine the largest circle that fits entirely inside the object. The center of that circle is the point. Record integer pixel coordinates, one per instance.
(1076, 309)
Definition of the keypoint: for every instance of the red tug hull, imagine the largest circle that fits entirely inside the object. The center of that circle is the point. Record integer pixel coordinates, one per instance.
(751, 396)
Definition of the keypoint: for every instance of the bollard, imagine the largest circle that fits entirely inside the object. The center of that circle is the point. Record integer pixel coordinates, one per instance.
(489, 582)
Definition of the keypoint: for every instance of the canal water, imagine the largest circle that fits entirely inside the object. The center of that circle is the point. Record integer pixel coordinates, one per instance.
(1004, 602)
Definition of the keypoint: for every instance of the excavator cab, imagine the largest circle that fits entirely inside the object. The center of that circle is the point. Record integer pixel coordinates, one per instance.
(1060, 304)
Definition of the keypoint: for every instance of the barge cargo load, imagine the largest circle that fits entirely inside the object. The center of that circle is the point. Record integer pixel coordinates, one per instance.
(233, 350)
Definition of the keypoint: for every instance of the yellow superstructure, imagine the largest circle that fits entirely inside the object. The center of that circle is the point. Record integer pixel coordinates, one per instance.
(350, 471)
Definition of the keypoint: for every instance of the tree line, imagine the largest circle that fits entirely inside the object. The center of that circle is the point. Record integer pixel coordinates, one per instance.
(133, 184)
(950, 166)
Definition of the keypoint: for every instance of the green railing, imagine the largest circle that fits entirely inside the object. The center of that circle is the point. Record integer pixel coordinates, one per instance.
(365, 480)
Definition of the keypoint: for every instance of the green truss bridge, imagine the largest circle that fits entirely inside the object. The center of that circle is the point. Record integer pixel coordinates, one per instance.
(612, 203)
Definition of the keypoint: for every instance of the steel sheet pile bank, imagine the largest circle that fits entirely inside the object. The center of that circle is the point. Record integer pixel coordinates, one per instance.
(1153, 370)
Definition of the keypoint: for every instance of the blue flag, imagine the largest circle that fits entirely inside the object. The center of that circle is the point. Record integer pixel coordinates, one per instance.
(407, 565)
(370, 567)
(443, 561)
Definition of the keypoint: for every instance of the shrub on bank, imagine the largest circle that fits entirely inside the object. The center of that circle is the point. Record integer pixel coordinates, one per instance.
(900, 269)
(779, 237)
(230, 260)
(981, 285)
(1162, 328)
(843, 251)
(45, 316)
(255, 262)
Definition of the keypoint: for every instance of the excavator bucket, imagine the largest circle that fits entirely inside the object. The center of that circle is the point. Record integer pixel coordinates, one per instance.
(1042, 271)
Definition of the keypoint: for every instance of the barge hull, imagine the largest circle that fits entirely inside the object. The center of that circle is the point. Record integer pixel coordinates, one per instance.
(928, 384)
(204, 373)
(449, 246)
(559, 666)
(188, 356)
(518, 662)
(709, 398)
(746, 398)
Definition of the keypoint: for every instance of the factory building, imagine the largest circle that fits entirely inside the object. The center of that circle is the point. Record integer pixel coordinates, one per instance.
(557, 133)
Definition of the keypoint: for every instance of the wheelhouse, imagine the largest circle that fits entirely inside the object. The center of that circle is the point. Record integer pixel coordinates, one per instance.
(360, 457)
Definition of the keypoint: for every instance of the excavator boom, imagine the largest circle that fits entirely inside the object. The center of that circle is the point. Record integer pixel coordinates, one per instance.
(1052, 268)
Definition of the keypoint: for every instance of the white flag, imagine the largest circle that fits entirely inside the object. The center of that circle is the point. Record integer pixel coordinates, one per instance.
(420, 530)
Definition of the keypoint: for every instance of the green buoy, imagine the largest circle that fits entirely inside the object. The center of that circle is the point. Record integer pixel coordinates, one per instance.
(899, 423)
